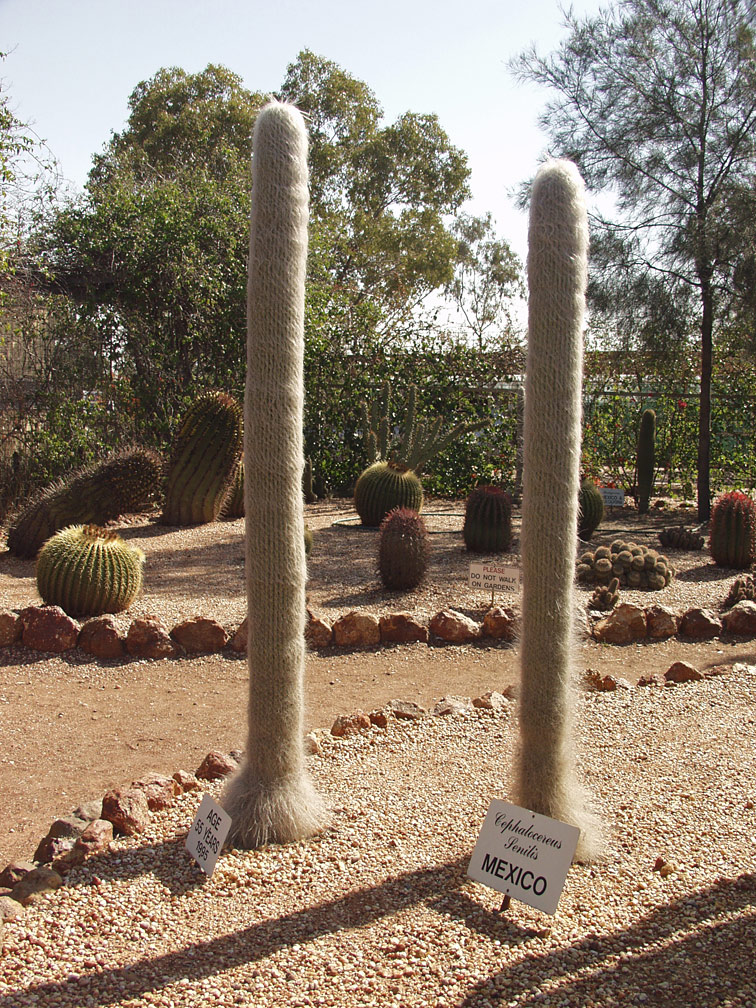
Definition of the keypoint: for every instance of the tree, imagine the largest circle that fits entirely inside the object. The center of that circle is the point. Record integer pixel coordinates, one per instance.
(656, 102)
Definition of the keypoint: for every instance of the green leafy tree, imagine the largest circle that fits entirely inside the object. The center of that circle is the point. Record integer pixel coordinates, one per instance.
(656, 102)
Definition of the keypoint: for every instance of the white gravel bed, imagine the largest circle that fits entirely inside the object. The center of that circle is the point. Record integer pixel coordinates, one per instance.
(378, 910)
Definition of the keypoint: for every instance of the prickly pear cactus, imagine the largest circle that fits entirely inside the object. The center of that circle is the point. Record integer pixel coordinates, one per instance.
(88, 571)
(204, 461)
(634, 566)
(126, 482)
(402, 550)
(384, 486)
(680, 537)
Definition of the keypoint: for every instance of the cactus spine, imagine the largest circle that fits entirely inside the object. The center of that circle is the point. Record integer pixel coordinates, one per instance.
(557, 274)
(402, 550)
(88, 571)
(732, 532)
(270, 798)
(645, 459)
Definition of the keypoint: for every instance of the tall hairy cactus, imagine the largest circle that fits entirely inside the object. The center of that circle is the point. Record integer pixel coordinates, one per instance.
(557, 276)
(271, 799)
(123, 483)
(204, 460)
(645, 459)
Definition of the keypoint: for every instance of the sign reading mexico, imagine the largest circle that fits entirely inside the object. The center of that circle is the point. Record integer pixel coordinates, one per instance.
(523, 854)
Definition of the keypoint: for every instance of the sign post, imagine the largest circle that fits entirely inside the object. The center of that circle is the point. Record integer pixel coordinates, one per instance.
(207, 833)
(523, 855)
(485, 575)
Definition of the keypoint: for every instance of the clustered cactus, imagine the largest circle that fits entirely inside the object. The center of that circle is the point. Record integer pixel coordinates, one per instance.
(605, 597)
(732, 531)
(88, 571)
(632, 565)
(488, 520)
(742, 589)
(680, 537)
(402, 550)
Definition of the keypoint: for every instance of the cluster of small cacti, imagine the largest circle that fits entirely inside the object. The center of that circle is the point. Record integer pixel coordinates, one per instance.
(204, 461)
(590, 509)
(732, 530)
(645, 459)
(742, 589)
(605, 597)
(88, 571)
(680, 537)
(123, 483)
(487, 526)
(384, 486)
(632, 565)
(402, 550)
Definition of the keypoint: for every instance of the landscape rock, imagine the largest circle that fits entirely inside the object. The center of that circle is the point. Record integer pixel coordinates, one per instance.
(500, 622)
(126, 809)
(100, 637)
(215, 765)
(741, 619)
(147, 637)
(10, 909)
(10, 628)
(454, 627)
(95, 838)
(402, 628)
(625, 624)
(492, 700)
(14, 872)
(239, 640)
(187, 781)
(200, 635)
(38, 881)
(700, 624)
(405, 710)
(356, 629)
(318, 632)
(451, 705)
(60, 838)
(312, 746)
(680, 672)
(649, 680)
(89, 810)
(159, 790)
(605, 683)
(350, 724)
(662, 622)
(379, 718)
(48, 628)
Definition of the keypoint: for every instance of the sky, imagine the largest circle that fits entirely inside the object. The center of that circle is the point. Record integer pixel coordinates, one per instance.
(72, 64)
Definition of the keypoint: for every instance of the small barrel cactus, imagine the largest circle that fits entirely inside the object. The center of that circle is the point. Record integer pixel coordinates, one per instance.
(384, 486)
(591, 509)
(605, 597)
(732, 530)
(645, 459)
(488, 520)
(680, 537)
(742, 589)
(124, 483)
(634, 566)
(204, 461)
(402, 549)
(88, 571)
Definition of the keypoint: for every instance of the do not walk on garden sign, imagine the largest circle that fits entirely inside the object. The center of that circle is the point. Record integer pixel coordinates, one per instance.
(523, 855)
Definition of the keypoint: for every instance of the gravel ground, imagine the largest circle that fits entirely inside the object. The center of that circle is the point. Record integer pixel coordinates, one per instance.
(378, 910)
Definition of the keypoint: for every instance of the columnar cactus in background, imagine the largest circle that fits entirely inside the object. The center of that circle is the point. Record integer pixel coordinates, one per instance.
(271, 798)
(590, 509)
(645, 459)
(557, 274)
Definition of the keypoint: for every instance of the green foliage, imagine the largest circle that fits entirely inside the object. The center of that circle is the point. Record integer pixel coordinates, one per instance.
(403, 548)
(646, 458)
(633, 566)
(487, 526)
(88, 571)
(732, 530)
(123, 483)
(590, 509)
(204, 461)
(384, 486)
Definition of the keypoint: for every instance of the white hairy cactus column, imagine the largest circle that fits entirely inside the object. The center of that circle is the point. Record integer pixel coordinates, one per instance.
(271, 798)
(557, 275)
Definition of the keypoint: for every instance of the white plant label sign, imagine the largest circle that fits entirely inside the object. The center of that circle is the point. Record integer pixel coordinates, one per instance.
(492, 577)
(523, 854)
(207, 833)
(613, 497)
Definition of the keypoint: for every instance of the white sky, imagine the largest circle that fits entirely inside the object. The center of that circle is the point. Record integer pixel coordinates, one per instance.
(73, 63)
